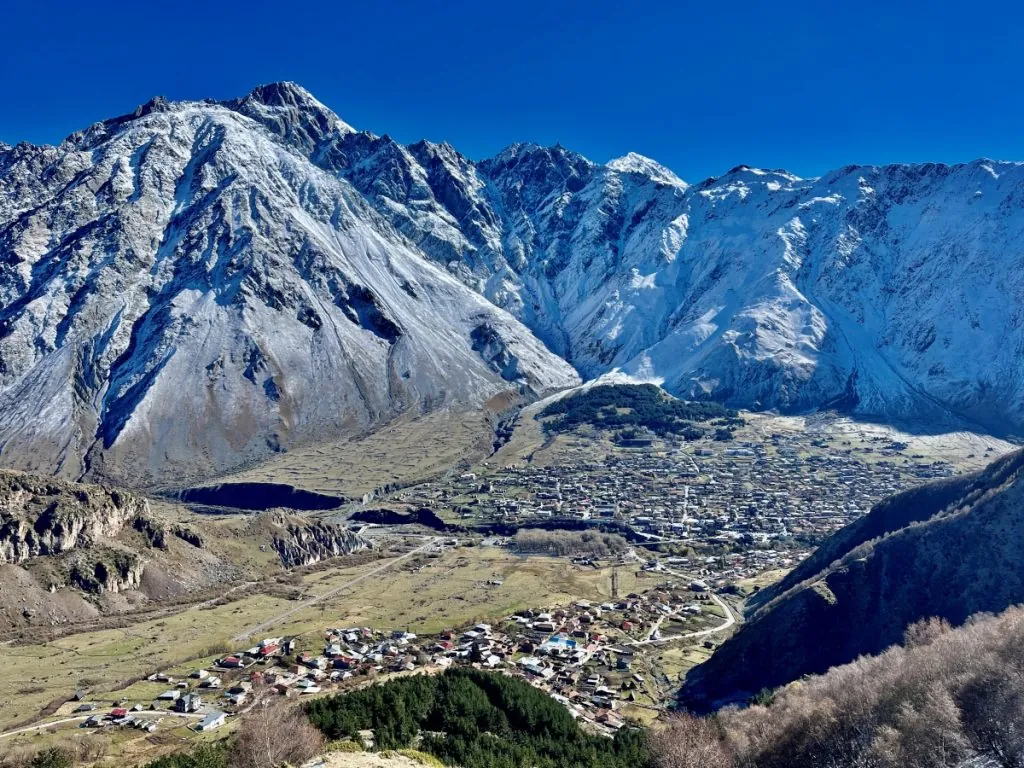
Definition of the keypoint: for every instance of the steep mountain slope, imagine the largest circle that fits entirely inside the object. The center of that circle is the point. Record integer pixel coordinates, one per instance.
(197, 284)
(182, 291)
(949, 549)
(947, 697)
(890, 291)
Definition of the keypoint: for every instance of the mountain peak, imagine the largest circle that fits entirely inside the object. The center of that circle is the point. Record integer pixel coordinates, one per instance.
(284, 93)
(645, 166)
(293, 113)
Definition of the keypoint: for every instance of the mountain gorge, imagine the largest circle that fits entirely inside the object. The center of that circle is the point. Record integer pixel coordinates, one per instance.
(196, 285)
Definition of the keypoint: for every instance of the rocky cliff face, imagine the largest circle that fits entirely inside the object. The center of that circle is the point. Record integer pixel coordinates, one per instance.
(104, 569)
(300, 541)
(48, 517)
(195, 285)
(182, 290)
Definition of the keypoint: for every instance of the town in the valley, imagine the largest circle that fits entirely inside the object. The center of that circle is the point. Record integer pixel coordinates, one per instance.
(700, 525)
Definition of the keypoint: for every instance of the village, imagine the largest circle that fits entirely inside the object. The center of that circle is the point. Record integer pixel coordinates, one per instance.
(756, 498)
(697, 526)
(588, 656)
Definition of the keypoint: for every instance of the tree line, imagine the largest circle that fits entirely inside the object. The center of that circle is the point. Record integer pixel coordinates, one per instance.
(621, 406)
(561, 543)
(474, 719)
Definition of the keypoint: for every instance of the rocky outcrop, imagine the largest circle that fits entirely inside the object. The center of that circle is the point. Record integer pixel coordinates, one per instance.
(299, 541)
(48, 517)
(158, 531)
(105, 569)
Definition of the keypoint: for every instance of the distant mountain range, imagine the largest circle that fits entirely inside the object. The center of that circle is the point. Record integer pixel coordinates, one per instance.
(197, 284)
(949, 549)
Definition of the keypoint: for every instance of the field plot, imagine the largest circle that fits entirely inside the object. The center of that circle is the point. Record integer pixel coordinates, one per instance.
(410, 449)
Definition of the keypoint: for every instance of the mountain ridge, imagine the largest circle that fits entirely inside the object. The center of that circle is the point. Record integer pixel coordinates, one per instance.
(182, 294)
(947, 549)
(290, 278)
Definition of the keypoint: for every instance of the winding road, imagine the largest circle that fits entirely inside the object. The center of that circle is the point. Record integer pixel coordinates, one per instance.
(730, 618)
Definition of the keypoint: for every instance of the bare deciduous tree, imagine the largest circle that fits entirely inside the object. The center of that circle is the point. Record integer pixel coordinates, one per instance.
(950, 697)
(689, 742)
(274, 733)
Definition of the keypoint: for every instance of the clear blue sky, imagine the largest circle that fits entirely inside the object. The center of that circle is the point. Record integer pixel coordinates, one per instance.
(701, 87)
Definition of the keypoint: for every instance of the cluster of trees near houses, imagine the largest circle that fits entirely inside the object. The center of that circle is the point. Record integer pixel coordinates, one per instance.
(634, 407)
(475, 719)
(562, 543)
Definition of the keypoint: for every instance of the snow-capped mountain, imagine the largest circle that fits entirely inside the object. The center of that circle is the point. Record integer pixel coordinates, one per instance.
(895, 291)
(181, 290)
(190, 286)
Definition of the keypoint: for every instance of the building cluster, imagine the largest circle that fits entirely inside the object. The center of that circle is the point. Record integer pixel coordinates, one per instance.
(183, 699)
(583, 655)
(736, 496)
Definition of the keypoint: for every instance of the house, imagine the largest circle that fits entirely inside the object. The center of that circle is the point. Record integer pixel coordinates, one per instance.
(211, 682)
(118, 712)
(232, 662)
(171, 695)
(190, 702)
(211, 721)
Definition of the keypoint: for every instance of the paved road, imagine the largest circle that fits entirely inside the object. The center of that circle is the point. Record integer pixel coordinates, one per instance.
(262, 628)
(730, 618)
(145, 714)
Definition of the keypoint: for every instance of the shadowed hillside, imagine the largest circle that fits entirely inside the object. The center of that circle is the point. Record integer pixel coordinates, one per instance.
(949, 549)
